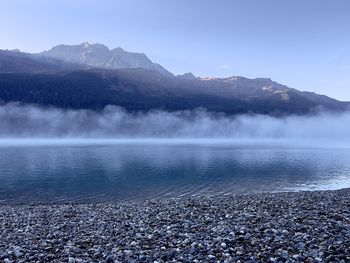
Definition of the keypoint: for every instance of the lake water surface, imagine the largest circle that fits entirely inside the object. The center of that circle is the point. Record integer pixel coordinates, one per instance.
(104, 170)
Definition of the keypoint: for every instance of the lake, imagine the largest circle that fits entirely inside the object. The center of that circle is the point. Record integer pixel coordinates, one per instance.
(80, 170)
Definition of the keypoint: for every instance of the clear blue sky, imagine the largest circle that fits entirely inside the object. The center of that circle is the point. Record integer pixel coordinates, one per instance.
(304, 44)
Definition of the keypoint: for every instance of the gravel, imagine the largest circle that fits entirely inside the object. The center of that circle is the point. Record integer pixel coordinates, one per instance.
(274, 227)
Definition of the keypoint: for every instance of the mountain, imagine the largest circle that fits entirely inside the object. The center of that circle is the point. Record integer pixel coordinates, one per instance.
(48, 81)
(100, 56)
(187, 75)
(19, 62)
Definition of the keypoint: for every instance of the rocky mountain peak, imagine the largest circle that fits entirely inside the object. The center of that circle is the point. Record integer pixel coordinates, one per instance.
(187, 75)
(100, 56)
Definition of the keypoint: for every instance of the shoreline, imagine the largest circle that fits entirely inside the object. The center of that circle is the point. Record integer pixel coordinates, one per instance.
(140, 202)
(308, 226)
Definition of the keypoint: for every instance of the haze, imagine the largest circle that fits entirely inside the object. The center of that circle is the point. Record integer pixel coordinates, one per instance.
(113, 122)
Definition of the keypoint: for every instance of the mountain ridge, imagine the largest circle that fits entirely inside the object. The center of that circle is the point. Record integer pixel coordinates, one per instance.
(48, 81)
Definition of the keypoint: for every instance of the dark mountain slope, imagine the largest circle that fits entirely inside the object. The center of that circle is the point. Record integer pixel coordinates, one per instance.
(45, 81)
(85, 90)
(19, 62)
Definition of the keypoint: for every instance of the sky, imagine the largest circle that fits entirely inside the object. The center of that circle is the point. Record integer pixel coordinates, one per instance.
(302, 44)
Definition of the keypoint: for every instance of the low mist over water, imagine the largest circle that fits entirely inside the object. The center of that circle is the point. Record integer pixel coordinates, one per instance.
(52, 155)
(114, 122)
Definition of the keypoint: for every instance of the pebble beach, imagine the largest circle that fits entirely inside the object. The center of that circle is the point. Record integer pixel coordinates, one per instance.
(270, 227)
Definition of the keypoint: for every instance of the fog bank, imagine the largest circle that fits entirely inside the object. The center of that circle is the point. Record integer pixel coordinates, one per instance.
(18, 121)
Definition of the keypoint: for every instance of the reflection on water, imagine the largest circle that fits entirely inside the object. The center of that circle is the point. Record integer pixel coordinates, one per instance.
(122, 171)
